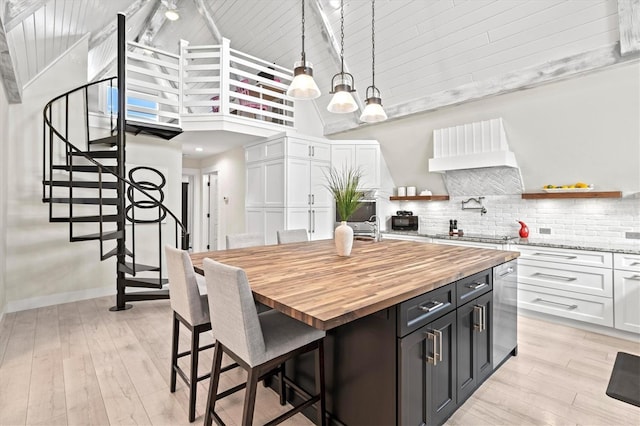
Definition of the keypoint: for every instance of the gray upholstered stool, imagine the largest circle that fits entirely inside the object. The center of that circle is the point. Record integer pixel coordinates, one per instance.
(244, 240)
(190, 308)
(259, 343)
(292, 236)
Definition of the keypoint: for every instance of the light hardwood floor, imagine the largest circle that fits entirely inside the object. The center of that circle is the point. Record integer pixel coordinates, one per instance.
(80, 364)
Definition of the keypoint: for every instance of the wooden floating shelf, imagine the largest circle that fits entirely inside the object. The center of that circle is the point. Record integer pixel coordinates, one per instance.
(421, 198)
(568, 194)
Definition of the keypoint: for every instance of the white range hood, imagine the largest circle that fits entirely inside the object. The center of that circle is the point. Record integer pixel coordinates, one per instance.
(475, 159)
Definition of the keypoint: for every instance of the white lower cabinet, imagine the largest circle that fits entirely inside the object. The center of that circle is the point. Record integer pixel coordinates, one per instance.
(568, 283)
(626, 290)
(318, 222)
(265, 221)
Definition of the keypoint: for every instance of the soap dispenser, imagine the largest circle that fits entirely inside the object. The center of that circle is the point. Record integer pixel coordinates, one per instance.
(524, 229)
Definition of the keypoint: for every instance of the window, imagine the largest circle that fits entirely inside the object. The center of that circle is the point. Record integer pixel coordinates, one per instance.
(112, 105)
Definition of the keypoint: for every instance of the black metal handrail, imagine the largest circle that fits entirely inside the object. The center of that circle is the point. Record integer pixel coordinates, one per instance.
(70, 146)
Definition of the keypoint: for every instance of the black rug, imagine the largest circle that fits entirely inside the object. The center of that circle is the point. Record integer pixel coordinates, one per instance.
(624, 383)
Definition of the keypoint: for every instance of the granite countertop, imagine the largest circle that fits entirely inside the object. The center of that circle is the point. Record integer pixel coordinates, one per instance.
(633, 247)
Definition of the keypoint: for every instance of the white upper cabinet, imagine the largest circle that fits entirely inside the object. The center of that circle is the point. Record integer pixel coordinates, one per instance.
(364, 154)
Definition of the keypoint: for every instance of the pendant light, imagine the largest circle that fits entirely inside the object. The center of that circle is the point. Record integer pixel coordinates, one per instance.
(373, 111)
(342, 83)
(302, 86)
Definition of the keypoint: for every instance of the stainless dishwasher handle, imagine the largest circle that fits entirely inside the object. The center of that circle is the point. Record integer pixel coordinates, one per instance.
(564, 256)
(476, 286)
(507, 272)
(434, 305)
(569, 307)
(557, 277)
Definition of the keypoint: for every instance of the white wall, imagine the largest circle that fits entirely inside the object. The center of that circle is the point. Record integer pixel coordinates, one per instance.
(582, 129)
(4, 141)
(230, 167)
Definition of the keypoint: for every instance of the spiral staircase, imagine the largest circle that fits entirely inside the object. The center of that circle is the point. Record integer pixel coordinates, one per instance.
(86, 185)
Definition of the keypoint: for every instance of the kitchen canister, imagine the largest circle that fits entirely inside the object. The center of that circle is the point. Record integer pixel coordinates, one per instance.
(411, 191)
(402, 191)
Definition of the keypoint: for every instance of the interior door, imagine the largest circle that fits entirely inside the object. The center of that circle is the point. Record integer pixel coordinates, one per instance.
(211, 216)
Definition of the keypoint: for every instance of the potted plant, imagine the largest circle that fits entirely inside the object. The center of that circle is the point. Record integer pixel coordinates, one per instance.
(343, 185)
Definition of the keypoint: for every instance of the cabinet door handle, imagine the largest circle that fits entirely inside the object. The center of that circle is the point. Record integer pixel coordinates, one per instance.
(484, 318)
(569, 307)
(477, 311)
(313, 199)
(635, 277)
(313, 214)
(313, 151)
(439, 335)
(434, 304)
(309, 150)
(309, 213)
(308, 198)
(634, 263)
(476, 286)
(507, 272)
(563, 256)
(432, 359)
(555, 277)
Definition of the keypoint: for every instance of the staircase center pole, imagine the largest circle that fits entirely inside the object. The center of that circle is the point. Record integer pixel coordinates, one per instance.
(121, 165)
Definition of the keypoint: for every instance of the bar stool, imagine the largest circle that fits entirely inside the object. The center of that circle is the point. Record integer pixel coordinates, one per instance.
(244, 240)
(260, 343)
(292, 236)
(191, 308)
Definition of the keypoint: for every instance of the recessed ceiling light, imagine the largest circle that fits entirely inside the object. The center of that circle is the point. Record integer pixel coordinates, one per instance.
(172, 14)
(199, 149)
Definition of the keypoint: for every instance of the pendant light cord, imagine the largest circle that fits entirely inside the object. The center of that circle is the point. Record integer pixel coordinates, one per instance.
(304, 59)
(341, 36)
(373, 43)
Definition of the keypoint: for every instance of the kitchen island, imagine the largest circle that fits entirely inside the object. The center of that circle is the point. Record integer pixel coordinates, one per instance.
(375, 306)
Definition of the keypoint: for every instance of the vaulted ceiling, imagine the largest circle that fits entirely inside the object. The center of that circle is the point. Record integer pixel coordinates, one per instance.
(429, 53)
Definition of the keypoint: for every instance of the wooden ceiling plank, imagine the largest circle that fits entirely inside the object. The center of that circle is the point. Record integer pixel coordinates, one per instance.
(105, 32)
(207, 15)
(629, 22)
(17, 10)
(551, 71)
(7, 70)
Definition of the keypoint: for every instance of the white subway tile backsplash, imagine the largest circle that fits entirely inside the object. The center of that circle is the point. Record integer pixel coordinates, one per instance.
(597, 220)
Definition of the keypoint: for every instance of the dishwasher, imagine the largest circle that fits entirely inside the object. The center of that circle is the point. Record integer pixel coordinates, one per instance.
(505, 311)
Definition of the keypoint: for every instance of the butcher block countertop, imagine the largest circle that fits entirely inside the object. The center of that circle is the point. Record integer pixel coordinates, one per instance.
(310, 282)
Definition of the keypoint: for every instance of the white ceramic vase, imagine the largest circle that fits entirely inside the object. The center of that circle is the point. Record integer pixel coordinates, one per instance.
(343, 238)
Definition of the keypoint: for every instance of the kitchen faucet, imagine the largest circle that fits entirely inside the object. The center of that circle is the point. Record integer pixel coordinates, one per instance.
(478, 200)
(373, 221)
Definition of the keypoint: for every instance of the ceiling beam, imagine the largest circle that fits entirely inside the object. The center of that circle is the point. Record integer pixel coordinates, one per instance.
(206, 14)
(560, 69)
(15, 11)
(107, 31)
(7, 71)
(629, 23)
(333, 45)
(152, 25)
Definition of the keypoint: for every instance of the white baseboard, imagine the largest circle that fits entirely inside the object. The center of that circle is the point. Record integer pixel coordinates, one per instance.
(58, 298)
(595, 328)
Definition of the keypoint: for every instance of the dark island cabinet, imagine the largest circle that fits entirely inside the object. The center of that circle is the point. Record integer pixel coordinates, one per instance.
(474, 344)
(427, 376)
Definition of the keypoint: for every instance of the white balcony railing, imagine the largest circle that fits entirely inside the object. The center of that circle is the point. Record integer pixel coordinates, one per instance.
(203, 82)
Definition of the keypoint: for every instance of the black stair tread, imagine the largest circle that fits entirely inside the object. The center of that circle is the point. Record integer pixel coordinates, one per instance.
(114, 252)
(146, 295)
(108, 140)
(77, 200)
(96, 154)
(105, 218)
(81, 184)
(154, 129)
(146, 282)
(85, 169)
(111, 235)
(129, 266)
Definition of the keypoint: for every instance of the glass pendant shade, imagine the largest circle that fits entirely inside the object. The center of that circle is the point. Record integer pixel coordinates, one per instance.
(303, 86)
(373, 111)
(172, 14)
(342, 102)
